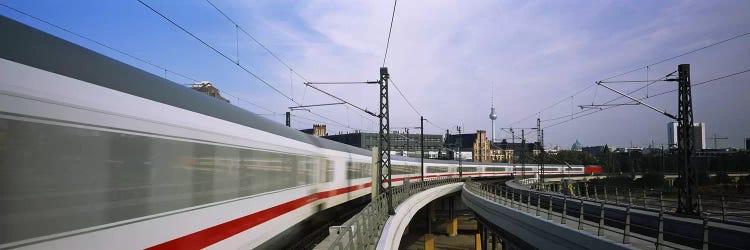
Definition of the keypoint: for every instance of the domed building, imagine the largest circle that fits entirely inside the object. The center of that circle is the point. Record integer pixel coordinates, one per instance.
(577, 146)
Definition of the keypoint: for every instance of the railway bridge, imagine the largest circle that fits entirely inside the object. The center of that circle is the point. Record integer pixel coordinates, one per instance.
(516, 216)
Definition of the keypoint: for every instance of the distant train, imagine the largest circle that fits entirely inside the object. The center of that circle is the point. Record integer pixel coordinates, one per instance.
(96, 154)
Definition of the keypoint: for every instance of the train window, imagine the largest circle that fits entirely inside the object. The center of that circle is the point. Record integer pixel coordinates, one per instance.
(469, 169)
(328, 170)
(494, 169)
(357, 170)
(434, 169)
(366, 169)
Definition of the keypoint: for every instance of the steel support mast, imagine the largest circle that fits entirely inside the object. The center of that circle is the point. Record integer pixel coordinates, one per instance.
(421, 147)
(460, 145)
(384, 162)
(523, 154)
(688, 195)
(540, 139)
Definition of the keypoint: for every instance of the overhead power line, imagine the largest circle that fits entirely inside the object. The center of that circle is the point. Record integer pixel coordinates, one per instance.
(678, 56)
(249, 102)
(285, 64)
(342, 100)
(257, 41)
(404, 96)
(633, 70)
(130, 55)
(435, 125)
(652, 96)
(313, 121)
(553, 105)
(388, 41)
(246, 69)
(99, 43)
(228, 94)
(218, 52)
(607, 103)
(401, 93)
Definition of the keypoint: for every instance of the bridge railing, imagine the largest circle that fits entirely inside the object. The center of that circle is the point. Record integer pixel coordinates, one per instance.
(595, 216)
(364, 229)
(720, 207)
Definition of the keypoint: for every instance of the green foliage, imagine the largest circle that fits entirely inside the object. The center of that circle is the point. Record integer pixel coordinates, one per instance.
(571, 157)
(650, 180)
(614, 181)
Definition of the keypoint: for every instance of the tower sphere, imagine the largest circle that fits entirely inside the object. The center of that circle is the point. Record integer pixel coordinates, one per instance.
(493, 115)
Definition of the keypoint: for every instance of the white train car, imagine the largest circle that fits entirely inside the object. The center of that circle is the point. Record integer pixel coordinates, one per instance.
(96, 154)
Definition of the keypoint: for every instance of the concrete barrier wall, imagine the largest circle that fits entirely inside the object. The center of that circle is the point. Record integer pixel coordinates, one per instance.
(396, 224)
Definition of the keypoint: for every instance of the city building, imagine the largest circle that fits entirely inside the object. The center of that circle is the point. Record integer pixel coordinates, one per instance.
(596, 149)
(317, 130)
(747, 143)
(552, 151)
(628, 150)
(501, 155)
(207, 88)
(699, 135)
(505, 151)
(652, 150)
(401, 143)
(577, 146)
(474, 147)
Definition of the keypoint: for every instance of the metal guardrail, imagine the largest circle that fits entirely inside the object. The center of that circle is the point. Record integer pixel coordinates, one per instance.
(596, 214)
(718, 207)
(364, 229)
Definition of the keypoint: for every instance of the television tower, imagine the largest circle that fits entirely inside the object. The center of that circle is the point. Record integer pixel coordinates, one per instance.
(493, 115)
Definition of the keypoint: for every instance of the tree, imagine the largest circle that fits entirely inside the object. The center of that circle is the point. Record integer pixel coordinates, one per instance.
(570, 157)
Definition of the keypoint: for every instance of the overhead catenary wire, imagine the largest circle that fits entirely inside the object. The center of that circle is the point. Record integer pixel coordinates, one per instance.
(140, 59)
(331, 120)
(651, 96)
(251, 103)
(607, 102)
(313, 121)
(639, 68)
(239, 27)
(272, 113)
(218, 52)
(245, 68)
(538, 113)
(129, 55)
(285, 64)
(401, 93)
(678, 56)
(404, 97)
(99, 43)
(388, 41)
(342, 100)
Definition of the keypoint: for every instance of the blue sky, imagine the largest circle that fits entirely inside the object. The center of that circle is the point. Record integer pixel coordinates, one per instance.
(444, 55)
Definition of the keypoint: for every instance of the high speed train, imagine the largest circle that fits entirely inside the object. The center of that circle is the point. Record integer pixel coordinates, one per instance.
(97, 154)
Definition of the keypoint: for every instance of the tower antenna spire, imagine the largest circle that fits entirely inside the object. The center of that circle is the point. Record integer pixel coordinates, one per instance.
(493, 115)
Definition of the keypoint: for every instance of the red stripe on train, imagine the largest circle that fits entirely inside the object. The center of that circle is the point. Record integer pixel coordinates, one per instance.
(212, 235)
